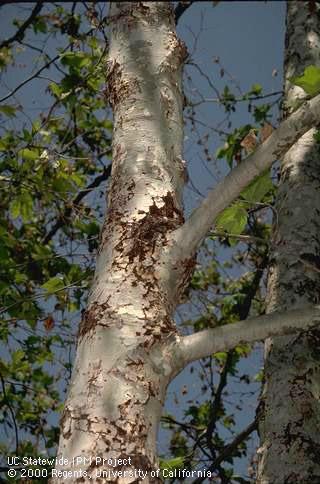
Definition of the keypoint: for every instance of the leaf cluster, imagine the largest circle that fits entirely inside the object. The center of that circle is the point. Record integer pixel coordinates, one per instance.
(49, 225)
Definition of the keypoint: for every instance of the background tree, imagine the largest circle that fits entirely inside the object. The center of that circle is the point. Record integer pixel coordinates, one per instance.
(290, 434)
(53, 165)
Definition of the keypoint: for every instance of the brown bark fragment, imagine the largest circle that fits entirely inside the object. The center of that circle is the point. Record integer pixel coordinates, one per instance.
(91, 317)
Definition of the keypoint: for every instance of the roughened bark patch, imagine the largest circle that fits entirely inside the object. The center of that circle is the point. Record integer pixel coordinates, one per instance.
(188, 266)
(177, 53)
(118, 88)
(142, 236)
(65, 423)
(154, 331)
(122, 366)
(91, 317)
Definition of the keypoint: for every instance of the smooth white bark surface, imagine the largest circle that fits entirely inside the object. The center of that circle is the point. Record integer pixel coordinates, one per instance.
(206, 342)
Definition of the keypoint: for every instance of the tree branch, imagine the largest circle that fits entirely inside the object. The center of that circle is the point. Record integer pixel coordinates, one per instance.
(216, 404)
(45, 66)
(33, 76)
(188, 237)
(204, 343)
(229, 449)
(236, 100)
(6, 401)
(67, 212)
(19, 35)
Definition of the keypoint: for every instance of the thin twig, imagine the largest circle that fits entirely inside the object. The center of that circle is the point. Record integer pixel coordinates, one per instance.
(67, 212)
(23, 83)
(19, 35)
(11, 412)
(203, 74)
(236, 100)
(228, 450)
(42, 295)
(245, 238)
(215, 406)
(45, 66)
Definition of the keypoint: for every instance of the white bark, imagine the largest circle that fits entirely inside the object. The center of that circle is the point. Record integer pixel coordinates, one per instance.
(183, 242)
(120, 372)
(128, 349)
(204, 343)
(289, 427)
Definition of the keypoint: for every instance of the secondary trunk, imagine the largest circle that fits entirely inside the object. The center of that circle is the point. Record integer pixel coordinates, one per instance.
(121, 368)
(290, 425)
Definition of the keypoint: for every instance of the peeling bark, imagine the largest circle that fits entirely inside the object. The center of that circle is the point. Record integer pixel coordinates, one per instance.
(290, 427)
(128, 347)
(122, 368)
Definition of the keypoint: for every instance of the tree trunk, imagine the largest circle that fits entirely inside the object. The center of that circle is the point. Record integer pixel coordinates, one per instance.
(128, 347)
(122, 369)
(290, 407)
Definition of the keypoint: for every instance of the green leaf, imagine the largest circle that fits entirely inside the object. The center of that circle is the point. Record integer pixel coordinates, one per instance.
(233, 219)
(29, 155)
(309, 81)
(77, 179)
(5, 57)
(15, 208)
(8, 110)
(316, 137)
(36, 125)
(53, 285)
(221, 356)
(175, 463)
(55, 89)
(27, 136)
(228, 421)
(75, 60)
(260, 113)
(259, 376)
(20, 278)
(26, 206)
(4, 368)
(90, 229)
(40, 25)
(17, 356)
(63, 184)
(258, 188)
(22, 206)
(242, 350)
(18, 360)
(256, 89)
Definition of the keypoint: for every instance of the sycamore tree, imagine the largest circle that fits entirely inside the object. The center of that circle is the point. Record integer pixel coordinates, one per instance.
(129, 346)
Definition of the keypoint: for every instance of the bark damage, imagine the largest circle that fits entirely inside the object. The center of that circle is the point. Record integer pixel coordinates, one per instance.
(122, 366)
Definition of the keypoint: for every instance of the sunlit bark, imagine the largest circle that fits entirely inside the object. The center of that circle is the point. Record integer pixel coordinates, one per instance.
(121, 370)
(128, 346)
